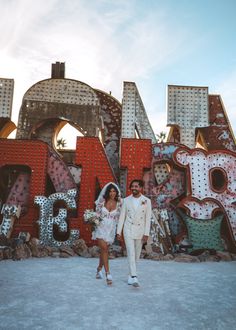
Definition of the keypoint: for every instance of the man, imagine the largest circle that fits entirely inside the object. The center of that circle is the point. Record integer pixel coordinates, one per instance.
(135, 218)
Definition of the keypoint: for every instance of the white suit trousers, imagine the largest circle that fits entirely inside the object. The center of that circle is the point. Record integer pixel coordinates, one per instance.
(133, 248)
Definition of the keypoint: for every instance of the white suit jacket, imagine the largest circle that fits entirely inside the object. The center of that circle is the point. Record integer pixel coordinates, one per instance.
(137, 222)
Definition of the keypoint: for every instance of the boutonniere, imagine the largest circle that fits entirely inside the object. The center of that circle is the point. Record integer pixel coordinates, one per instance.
(144, 202)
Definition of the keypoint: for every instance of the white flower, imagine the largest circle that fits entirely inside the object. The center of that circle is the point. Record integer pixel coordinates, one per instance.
(91, 217)
(96, 221)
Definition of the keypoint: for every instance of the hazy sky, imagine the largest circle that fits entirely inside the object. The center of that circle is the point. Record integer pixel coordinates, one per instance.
(105, 42)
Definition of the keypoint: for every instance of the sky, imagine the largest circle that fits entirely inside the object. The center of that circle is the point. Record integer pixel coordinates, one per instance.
(103, 43)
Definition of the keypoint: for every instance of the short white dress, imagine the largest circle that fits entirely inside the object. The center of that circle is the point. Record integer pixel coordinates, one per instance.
(106, 230)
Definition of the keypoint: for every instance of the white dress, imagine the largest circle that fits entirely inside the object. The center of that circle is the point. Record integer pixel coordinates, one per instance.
(106, 230)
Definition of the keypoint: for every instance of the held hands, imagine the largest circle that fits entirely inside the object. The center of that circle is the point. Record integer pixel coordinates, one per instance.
(145, 238)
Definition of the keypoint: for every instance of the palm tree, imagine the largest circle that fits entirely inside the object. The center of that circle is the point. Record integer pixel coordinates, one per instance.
(61, 143)
(161, 137)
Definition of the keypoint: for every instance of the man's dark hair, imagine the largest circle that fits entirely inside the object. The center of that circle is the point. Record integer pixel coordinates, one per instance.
(109, 187)
(140, 183)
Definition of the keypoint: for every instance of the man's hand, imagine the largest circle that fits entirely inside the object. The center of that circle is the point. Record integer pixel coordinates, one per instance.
(145, 238)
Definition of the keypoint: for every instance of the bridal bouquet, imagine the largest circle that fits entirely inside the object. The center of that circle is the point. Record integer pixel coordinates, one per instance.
(91, 217)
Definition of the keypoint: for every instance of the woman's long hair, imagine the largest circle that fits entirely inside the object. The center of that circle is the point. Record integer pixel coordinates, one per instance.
(107, 192)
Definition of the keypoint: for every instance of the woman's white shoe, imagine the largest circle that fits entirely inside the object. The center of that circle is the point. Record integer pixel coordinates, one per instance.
(109, 279)
(99, 275)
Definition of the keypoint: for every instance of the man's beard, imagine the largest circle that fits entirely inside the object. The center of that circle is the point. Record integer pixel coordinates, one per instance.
(135, 192)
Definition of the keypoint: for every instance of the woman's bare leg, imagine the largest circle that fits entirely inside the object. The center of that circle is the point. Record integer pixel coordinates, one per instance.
(103, 255)
(100, 265)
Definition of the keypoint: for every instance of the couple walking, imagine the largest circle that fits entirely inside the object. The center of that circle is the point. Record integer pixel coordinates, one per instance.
(132, 215)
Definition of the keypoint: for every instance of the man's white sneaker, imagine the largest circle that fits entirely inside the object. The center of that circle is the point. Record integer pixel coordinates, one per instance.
(135, 282)
(130, 280)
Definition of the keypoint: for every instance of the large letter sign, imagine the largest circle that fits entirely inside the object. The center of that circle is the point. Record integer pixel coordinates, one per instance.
(211, 178)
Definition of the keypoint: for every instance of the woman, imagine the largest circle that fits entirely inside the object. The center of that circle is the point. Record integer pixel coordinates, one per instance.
(108, 207)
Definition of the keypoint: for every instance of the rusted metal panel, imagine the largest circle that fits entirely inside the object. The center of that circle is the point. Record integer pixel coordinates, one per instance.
(219, 134)
(111, 116)
(53, 100)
